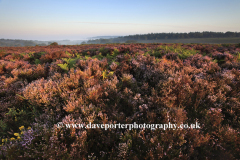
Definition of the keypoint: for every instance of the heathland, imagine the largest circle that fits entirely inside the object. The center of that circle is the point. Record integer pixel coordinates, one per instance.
(120, 83)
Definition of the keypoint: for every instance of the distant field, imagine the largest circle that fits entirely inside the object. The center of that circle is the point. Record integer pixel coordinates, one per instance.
(195, 40)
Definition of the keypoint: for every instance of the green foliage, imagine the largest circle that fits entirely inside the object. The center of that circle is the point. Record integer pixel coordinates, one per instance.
(79, 55)
(15, 118)
(111, 57)
(158, 60)
(39, 54)
(3, 126)
(99, 56)
(70, 61)
(20, 96)
(67, 53)
(64, 66)
(187, 53)
(204, 53)
(238, 56)
(37, 61)
(12, 112)
(215, 61)
(154, 53)
(226, 45)
(106, 74)
(169, 49)
(115, 52)
(86, 57)
(102, 49)
(182, 53)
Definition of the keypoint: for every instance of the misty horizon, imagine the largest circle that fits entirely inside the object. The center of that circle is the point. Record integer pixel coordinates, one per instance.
(106, 37)
(78, 20)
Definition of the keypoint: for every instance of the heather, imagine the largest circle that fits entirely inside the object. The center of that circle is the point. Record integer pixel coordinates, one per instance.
(120, 83)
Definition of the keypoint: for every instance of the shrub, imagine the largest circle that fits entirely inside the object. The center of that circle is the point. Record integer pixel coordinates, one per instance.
(54, 44)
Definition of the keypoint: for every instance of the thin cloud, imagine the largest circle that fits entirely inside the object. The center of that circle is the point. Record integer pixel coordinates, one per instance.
(136, 24)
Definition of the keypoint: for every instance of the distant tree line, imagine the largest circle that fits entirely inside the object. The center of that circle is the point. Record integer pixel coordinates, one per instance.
(159, 36)
(18, 43)
(206, 34)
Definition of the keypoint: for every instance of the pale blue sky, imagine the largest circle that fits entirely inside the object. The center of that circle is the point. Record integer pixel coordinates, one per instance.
(77, 19)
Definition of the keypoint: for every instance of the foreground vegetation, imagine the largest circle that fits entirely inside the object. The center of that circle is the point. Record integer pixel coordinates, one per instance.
(120, 83)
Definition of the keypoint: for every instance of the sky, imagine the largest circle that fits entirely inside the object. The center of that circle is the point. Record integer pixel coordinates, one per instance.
(78, 19)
